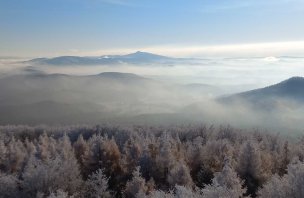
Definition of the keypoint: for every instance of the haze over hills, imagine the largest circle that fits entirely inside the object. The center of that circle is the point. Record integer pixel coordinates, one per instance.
(47, 98)
(134, 58)
(36, 98)
(39, 86)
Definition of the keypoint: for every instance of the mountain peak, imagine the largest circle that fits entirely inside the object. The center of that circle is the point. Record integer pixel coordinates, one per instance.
(145, 55)
(294, 80)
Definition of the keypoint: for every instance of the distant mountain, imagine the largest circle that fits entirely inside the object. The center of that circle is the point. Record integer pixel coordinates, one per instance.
(134, 58)
(289, 91)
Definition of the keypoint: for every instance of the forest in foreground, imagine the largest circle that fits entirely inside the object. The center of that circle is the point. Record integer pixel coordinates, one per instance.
(153, 162)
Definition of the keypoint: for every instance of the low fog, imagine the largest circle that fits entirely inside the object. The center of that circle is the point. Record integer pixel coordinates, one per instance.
(192, 91)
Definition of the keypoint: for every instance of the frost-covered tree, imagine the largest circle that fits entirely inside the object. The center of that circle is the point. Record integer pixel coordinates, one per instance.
(137, 185)
(164, 159)
(229, 178)
(160, 194)
(59, 194)
(96, 185)
(3, 153)
(182, 191)
(81, 148)
(211, 191)
(179, 175)
(213, 154)
(16, 154)
(53, 174)
(225, 184)
(132, 152)
(179, 192)
(290, 185)
(103, 153)
(250, 166)
(8, 186)
(46, 147)
(274, 188)
(284, 158)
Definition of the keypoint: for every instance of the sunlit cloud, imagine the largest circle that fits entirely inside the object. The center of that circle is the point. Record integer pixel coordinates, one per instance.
(271, 59)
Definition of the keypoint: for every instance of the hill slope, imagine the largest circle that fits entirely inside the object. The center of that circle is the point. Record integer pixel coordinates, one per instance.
(288, 91)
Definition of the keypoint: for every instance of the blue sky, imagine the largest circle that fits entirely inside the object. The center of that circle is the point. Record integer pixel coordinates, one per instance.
(92, 27)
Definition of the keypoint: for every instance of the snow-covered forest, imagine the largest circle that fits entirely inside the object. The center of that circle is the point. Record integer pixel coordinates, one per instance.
(153, 162)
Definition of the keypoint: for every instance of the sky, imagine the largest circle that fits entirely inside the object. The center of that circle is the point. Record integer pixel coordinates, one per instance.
(39, 28)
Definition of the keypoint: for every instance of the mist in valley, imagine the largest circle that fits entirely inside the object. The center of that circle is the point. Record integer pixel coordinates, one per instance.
(161, 91)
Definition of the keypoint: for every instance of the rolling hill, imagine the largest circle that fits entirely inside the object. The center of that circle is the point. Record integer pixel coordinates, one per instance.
(49, 98)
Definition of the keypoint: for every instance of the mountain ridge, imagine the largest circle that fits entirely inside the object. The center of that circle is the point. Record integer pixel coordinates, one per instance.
(288, 91)
(138, 57)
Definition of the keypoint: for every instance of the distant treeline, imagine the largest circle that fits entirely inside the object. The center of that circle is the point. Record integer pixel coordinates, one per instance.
(153, 162)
